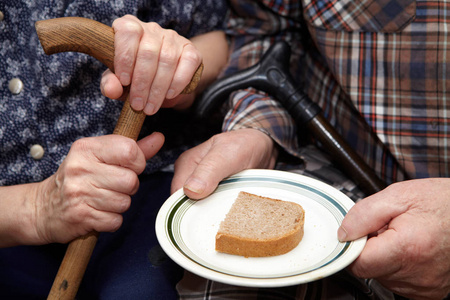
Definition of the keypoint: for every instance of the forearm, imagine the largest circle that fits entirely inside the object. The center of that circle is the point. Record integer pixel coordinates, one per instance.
(214, 48)
(17, 214)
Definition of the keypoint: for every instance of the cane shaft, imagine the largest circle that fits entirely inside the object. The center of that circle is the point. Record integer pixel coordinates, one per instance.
(344, 155)
(72, 268)
(87, 36)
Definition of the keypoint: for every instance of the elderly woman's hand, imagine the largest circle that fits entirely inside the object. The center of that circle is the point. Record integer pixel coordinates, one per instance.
(158, 64)
(89, 192)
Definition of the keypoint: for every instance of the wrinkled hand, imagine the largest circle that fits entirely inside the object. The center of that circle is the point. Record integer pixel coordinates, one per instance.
(200, 169)
(409, 247)
(157, 62)
(92, 187)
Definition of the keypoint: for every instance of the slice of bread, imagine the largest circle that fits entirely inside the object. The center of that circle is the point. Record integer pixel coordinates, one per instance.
(258, 226)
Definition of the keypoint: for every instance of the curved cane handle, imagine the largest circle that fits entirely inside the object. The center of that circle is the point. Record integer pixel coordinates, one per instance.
(87, 36)
(76, 34)
(97, 40)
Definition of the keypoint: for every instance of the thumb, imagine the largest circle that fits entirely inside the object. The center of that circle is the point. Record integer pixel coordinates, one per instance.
(369, 216)
(110, 85)
(151, 144)
(200, 170)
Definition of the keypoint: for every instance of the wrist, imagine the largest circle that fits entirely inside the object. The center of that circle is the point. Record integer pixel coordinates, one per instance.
(251, 109)
(14, 215)
(272, 145)
(18, 216)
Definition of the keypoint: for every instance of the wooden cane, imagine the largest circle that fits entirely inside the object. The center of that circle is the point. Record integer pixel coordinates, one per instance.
(87, 36)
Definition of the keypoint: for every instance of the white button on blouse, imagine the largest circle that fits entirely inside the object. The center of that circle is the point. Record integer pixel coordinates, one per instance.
(37, 151)
(15, 86)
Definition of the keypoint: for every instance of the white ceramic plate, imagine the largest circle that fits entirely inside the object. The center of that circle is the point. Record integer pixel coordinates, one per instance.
(186, 230)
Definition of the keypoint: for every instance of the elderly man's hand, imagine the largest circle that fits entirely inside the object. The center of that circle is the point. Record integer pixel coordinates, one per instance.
(200, 169)
(408, 250)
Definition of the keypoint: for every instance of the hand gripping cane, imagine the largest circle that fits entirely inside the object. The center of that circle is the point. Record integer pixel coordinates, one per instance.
(271, 75)
(97, 40)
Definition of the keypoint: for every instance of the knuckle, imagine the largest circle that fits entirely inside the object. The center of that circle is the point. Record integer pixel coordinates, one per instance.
(110, 223)
(231, 150)
(81, 145)
(148, 51)
(170, 33)
(124, 204)
(121, 203)
(127, 26)
(126, 58)
(140, 85)
(153, 26)
(156, 92)
(73, 180)
(84, 147)
(129, 149)
(168, 57)
(71, 190)
(191, 55)
(208, 166)
(129, 181)
(115, 223)
(117, 23)
(182, 158)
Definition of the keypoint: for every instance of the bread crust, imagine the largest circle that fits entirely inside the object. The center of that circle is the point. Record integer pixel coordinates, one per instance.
(258, 247)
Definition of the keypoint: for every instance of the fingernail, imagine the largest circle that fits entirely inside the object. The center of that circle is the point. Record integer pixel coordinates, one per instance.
(149, 108)
(170, 94)
(125, 79)
(342, 234)
(137, 103)
(195, 185)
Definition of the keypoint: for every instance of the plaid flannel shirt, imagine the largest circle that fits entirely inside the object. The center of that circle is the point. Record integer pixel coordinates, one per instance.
(378, 69)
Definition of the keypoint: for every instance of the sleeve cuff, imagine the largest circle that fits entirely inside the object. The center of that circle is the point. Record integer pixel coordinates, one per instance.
(252, 109)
